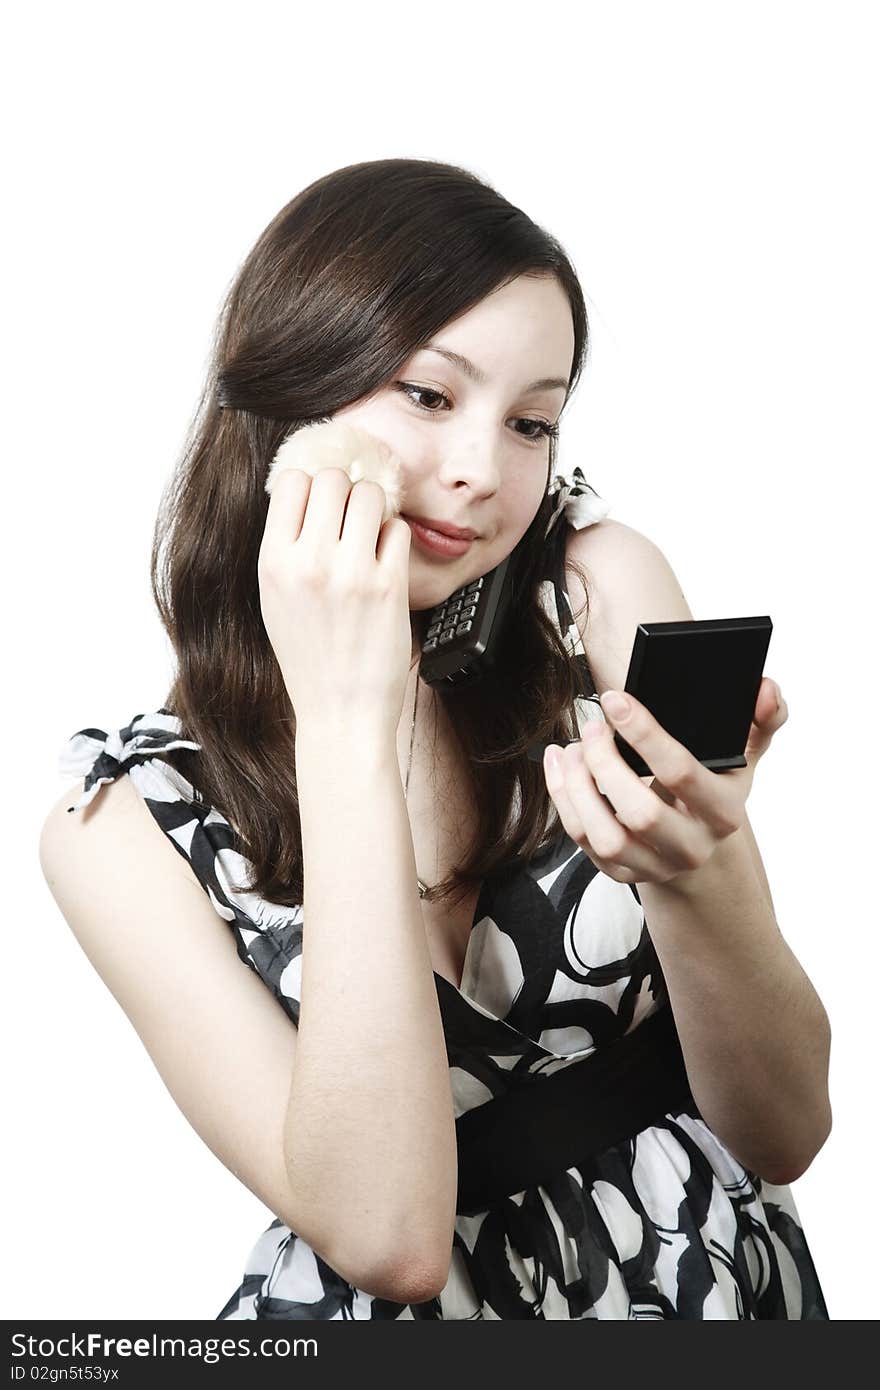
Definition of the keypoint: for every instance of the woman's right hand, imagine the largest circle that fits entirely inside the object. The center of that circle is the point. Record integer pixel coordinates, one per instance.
(334, 595)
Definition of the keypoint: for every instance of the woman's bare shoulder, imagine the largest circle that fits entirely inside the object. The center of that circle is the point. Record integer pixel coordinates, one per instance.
(117, 822)
(629, 581)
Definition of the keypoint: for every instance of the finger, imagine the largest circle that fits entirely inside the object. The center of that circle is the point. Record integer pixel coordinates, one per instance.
(767, 720)
(590, 822)
(395, 543)
(326, 505)
(287, 508)
(770, 708)
(706, 794)
(681, 841)
(363, 517)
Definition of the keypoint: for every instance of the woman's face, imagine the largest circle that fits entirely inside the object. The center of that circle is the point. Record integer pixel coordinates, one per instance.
(475, 454)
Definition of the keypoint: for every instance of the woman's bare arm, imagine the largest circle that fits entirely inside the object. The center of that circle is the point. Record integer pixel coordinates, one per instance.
(222, 1045)
(370, 1128)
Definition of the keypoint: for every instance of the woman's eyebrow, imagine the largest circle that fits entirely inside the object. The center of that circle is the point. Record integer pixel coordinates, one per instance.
(546, 383)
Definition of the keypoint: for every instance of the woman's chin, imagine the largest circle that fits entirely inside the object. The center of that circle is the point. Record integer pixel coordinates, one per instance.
(420, 604)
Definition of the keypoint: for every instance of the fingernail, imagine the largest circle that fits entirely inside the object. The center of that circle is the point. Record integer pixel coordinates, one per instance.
(552, 759)
(615, 703)
(778, 694)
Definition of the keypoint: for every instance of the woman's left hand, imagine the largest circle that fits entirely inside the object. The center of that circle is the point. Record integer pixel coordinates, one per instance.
(661, 829)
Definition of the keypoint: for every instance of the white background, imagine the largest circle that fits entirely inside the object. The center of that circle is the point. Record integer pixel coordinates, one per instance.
(710, 168)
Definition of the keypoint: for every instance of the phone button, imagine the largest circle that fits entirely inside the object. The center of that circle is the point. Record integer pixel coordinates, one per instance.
(462, 629)
(446, 635)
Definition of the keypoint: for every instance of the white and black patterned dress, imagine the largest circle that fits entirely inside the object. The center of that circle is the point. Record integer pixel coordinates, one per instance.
(667, 1225)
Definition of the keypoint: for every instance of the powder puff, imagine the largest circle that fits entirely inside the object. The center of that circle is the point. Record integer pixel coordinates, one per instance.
(335, 444)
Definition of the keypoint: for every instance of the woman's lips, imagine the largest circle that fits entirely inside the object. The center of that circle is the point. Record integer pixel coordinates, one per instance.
(435, 542)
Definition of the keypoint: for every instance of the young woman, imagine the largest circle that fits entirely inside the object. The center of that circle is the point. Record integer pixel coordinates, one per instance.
(512, 1039)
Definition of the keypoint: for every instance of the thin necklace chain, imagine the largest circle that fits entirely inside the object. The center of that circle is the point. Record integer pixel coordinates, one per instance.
(423, 887)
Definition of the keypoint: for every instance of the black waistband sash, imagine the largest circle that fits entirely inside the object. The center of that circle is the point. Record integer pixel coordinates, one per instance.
(546, 1124)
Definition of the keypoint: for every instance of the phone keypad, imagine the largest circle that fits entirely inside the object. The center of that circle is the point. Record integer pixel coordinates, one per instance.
(453, 618)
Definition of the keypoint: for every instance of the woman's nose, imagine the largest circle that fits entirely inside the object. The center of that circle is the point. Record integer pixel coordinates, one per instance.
(476, 461)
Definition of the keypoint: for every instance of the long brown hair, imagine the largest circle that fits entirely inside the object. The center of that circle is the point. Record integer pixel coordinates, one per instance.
(343, 286)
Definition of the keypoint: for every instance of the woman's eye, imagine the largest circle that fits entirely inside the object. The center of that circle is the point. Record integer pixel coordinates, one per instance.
(406, 387)
(542, 428)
